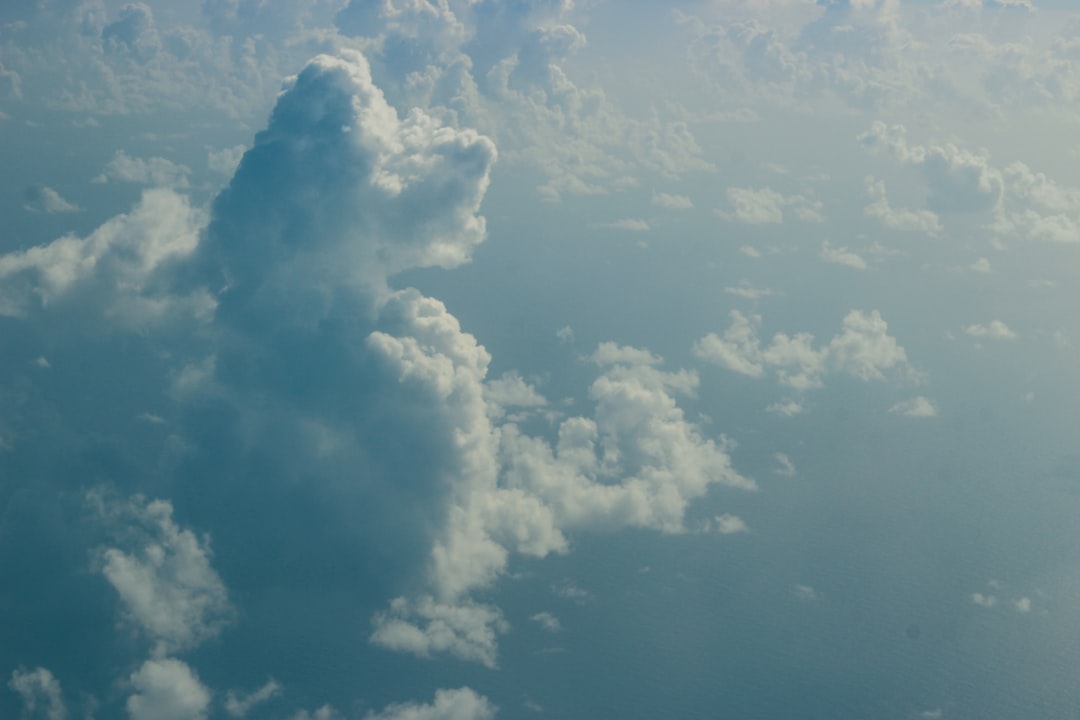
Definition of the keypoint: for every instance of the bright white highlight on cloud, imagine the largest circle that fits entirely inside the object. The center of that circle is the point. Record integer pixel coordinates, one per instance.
(864, 350)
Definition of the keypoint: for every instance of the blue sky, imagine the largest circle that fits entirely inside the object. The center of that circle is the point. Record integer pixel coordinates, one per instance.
(458, 360)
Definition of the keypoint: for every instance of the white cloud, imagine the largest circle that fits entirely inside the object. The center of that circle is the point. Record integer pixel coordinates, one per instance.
(155, 171)
(43, 199)
(116, 269)
(167, 689)
(805, 593)
(784, 466)
(786, 408)
(460, 704)
(671, 202)
(915, 407)
(424, 627)
(632, 224)
(40, 693)
(981, 265)
(863, 349)
(547, 621)
(994, 330)
(745, 290)
(982, 600)
(240, 705)
(1023, 605)
(727, 524)
(841, 256)
(165, 579)
(765, 206)
(923, 221)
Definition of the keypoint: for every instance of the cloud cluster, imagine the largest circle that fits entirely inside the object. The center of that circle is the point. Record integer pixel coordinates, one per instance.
(863, 349)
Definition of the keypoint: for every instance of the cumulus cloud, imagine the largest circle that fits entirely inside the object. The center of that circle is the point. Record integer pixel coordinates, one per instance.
(164, 578)
(878, 207)
(863, 349)
(117, 269)
(982, 600)
(460, 704)
(40, 693)
(154, 171)
(547, 621)
(728, 524)
(786, 408)
(765, 206)
(167, 689)
(918, 406)
(239, 705)
(993, 330)
(841, 256)
(43, 199)
(671, 202)
(784, 466)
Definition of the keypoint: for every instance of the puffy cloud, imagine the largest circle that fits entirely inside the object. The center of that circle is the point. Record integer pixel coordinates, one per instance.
(547, 621)
(167, 689)
(765, 206)
(863, 349)
(728, 524)
(993, 330)
(879, 208)
(169, 588)
(918, 407)
(43, 199)
(672, 202)
(1023, 605)
(982, 600)
(786, 408)
(461, 704)
(240, 705)
(40, 693)
(425, 626)
(784, 466)
(155, 171)
(118, 269)
(841, 256)
(1013, 201)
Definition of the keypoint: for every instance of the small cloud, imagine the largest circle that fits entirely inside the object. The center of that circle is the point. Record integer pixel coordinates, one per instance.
(631, 224)
(750, 251)
(240, 705)
(994, 330)
(1023, 605)
(569, 591)
(45, 200)
(42, 362)
(787, 408)
(151, 418)
(982, 265)
(155, 171)
(916, 407)
(565, 334)
(672, 202)
(547, 621)
(805, 593)
(784, 466)
(934, 714)
(841, 256)
(987, 601)
(745, 290)
(729, 524)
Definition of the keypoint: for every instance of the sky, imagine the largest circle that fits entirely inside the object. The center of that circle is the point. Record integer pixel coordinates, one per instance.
(475, 359)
